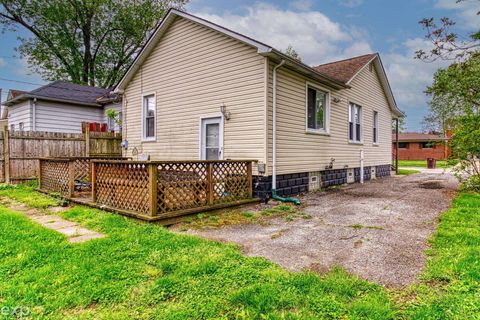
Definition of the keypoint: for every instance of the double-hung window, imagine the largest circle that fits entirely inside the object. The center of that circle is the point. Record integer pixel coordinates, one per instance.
(375, 127)
(317, 110)
(355, 123)
(148, 121)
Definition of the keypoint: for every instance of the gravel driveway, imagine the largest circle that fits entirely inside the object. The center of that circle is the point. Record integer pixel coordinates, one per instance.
(378, 231)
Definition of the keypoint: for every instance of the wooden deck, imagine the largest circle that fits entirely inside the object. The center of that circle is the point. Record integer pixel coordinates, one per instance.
(150, 190)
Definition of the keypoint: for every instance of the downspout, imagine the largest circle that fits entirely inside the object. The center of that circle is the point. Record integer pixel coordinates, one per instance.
(396, 146)
(274, 151)
(362, 157)
(34, 114)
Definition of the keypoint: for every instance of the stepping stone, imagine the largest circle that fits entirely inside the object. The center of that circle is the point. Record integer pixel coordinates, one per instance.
(70, 229)
(86, 237)
(58, 209)
(59, 224)
(73, 231)
(46, 219)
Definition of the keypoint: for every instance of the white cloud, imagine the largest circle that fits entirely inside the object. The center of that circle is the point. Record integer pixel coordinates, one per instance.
(312, 34)
(2, 62)
(302, 5)
(318, 39)
(410, 77)
(351, 3)
(467, 11)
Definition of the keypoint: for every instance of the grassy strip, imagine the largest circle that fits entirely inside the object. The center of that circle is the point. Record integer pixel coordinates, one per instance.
(144, 271)
(423, 163)
(406, 172)
(450, 285)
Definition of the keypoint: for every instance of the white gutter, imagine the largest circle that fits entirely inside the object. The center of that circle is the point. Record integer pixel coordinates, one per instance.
(274, 107)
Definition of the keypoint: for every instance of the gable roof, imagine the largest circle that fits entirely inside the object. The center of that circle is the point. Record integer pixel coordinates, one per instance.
(350, 69)
(12, 93)
(62, 91)
(262, 49)
(418, 136)
(345, 70)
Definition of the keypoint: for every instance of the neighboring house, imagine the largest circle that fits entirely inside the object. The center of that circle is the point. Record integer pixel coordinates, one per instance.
(59, 107)
(421, 146)
(200, 91)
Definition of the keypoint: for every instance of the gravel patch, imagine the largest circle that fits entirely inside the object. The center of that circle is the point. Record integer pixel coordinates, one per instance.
(378, 230)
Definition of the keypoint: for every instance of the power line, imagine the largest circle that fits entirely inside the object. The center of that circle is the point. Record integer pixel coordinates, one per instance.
(19, 81)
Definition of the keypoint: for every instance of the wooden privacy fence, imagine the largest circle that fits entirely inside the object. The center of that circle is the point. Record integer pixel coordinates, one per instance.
(70, 177)
(156, 190)
(22, 149)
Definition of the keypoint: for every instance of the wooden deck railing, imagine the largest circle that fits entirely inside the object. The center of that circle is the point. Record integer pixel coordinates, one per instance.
(165, 189)
(66, 176)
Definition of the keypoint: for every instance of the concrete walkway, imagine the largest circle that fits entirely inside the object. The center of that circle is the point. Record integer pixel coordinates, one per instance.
(426, 170)
(71, 230)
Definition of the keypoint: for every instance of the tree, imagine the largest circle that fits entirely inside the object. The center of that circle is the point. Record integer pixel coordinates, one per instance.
(466, 146)
(459, 85)
(84, 41)
(292, 53)
(442, 114)
(447, 44)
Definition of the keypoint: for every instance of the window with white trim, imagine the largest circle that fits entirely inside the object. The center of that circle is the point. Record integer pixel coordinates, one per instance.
(375, 126)
(355, 123)
(317, 108)
(149, 117)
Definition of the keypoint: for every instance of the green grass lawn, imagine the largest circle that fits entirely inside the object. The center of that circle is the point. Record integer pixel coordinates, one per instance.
(406, 172)
(144, 271)
(423, 163)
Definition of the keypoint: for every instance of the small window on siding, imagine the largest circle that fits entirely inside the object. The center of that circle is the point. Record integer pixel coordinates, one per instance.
(375, 127)
(355, 123)
(149, 117)
(12, 127)
(317, 103)
(21, 126)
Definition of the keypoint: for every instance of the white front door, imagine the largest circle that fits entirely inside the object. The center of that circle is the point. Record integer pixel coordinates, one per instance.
(211, 135)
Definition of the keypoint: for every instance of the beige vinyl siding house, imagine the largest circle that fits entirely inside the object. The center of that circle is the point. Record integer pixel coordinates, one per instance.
(198, 90)
(299, 147)
(192, 72)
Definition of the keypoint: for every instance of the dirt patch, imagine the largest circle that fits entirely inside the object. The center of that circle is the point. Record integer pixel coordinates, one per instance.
(378, 230)
(432, 184)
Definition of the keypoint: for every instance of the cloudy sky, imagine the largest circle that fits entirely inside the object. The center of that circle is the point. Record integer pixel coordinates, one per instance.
(321, 31)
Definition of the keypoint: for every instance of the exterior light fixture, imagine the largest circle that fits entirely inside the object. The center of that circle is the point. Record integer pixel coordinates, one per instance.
(337, 100)
(225, 113)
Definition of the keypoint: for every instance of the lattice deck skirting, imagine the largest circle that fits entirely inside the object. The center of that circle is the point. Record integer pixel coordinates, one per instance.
(150, 190)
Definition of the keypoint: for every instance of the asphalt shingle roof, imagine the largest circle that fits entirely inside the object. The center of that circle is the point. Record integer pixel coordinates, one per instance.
(69, 91)
(344, 70)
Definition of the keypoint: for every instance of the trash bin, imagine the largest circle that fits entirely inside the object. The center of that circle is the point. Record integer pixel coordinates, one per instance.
(431, 163)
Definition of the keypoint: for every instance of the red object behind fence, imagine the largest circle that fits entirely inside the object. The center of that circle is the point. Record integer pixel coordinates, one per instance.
(94, 127)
